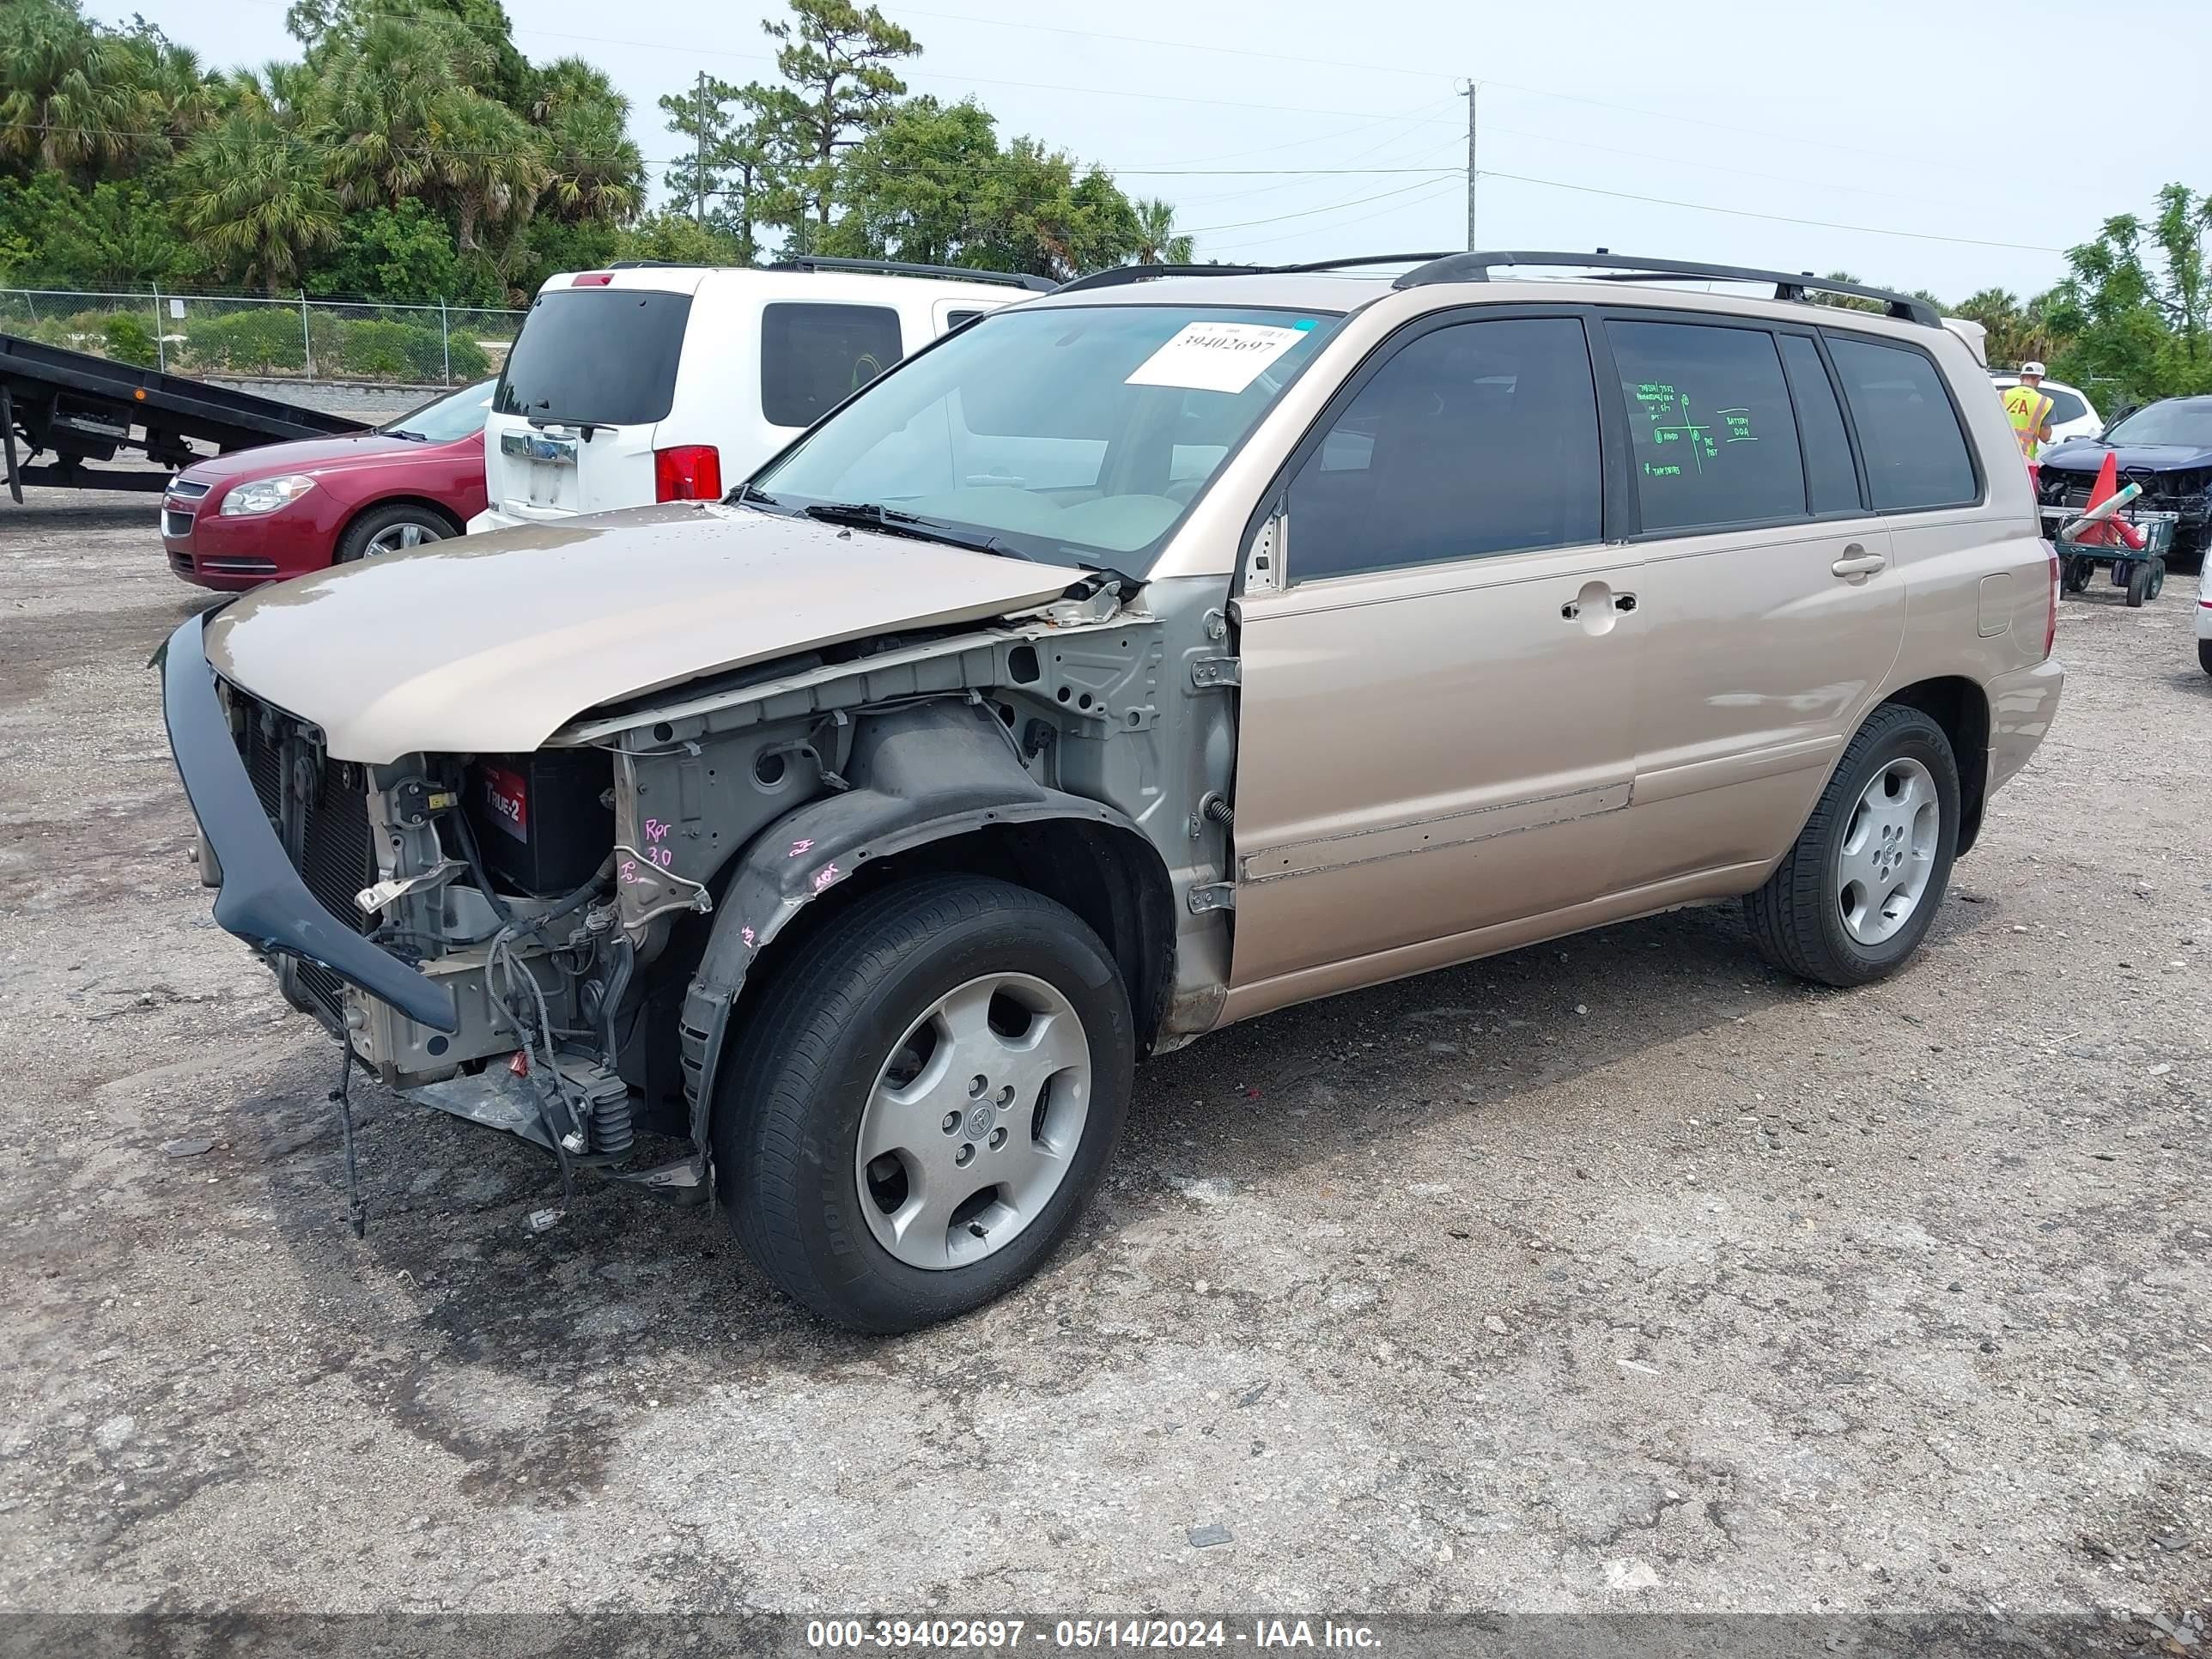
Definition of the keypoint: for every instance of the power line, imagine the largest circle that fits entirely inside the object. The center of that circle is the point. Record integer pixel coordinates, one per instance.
(428, 152)
(1329, 137)
(1308, 213)
(1716, 166)
(1778, 218)
(1436, 193)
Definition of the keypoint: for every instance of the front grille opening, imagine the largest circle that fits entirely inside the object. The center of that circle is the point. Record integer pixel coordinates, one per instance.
(336, 843)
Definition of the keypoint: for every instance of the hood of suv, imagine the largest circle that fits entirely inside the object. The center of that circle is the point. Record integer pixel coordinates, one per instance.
(489, 644)
(2087, 454)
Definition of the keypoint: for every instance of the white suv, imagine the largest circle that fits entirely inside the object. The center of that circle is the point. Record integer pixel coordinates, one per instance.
(649, 383)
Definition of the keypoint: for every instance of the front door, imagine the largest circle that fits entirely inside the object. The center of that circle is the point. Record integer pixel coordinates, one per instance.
(1437, 725)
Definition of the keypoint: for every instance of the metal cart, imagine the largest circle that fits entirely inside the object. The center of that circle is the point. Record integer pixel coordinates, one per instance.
(2143, 573)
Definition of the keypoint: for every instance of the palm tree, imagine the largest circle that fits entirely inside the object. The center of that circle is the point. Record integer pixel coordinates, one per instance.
(1157, 243)
(597, 172)
(385, 82)
(183, 98)
(254, 198)
(285, 93)
(488, 161)
(71, 96)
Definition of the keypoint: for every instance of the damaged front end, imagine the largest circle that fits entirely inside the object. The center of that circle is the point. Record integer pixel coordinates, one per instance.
(551, 944)
(468, 954)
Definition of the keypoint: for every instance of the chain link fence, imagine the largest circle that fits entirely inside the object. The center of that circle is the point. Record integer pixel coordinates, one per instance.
(238, 336)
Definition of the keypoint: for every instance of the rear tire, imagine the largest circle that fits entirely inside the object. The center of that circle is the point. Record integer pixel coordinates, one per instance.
(905, 1238)
(392, 529)
(2074, 576)
(2139, 583)
(2204, 655)
(1808, 918)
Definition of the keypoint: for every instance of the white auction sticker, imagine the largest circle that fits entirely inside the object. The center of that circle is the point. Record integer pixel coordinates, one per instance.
(1215, 357)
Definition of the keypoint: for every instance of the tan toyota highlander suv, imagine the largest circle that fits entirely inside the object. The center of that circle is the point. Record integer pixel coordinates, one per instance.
(1157, 653)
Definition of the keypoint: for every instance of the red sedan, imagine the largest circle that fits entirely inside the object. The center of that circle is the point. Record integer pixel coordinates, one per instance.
(261, 515)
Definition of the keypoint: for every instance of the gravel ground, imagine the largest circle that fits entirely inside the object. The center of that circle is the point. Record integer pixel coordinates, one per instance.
(1619, 1274)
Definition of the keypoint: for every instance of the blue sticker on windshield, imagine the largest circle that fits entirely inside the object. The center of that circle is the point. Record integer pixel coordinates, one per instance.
(1303, 323)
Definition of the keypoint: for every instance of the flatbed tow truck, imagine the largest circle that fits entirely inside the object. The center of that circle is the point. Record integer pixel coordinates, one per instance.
(81, 408)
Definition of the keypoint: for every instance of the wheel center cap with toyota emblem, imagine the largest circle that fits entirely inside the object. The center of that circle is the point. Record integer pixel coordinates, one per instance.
(981, 1120)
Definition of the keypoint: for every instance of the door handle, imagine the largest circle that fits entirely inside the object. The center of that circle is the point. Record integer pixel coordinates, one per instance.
(1600, 601)
(1858, 562)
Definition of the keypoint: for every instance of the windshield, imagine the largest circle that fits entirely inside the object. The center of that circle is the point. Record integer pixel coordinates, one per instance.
(441, 420)
(2176, 423)
(1076, 434)
(603, 356)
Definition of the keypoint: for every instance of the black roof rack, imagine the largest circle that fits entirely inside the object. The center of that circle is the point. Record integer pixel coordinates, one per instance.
(1117, 276)
(1477, 267)
(1360, 259)
(902, 268)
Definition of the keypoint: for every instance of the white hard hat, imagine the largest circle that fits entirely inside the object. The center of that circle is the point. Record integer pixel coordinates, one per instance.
(2032, 367)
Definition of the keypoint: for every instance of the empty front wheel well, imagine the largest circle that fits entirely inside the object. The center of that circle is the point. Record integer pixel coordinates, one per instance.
(1962, 709)
(1108, 877)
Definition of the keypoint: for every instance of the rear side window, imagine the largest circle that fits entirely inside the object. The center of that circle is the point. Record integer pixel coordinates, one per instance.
(2064, 405)
(1916, 454)
(1710, 422)
(1475, 439)
(607, 356)
(815, 357)
(954, 318)
(1832, 483)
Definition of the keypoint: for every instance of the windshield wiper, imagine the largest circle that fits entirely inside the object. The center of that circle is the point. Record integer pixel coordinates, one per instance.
(402, 431)
(746, 492)
(874, 515)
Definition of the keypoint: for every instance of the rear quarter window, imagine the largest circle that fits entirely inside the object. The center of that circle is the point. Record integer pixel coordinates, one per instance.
(606, 355)
(815, 357)
(1916, 454)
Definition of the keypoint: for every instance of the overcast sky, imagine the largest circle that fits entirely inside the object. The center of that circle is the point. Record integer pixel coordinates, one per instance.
(1986, 123)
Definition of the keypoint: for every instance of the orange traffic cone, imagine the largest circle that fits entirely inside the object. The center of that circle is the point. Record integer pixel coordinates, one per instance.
(2113, 532)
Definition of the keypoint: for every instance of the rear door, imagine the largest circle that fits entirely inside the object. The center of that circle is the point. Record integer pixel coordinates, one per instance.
(1774, 606)
(592, 376)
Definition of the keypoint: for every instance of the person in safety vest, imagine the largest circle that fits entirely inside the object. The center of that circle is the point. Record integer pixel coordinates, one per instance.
(2029, 408)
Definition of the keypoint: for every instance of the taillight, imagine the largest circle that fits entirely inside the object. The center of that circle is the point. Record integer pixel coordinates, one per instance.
(2050, 624)
(591, 279)
(689, 472)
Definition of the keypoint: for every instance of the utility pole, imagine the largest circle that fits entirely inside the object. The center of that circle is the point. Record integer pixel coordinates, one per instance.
(1472, 87)
(699, 204)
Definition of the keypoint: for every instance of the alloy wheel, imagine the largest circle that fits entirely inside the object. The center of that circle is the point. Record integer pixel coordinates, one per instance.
(972, 1121)
(1888, 851)
(400, 537)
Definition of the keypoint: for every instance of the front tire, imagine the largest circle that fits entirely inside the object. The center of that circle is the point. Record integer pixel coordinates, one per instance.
(866, 1172)
(2204, 655)
(1853, 897)
(392, 529)
(2140, 576)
